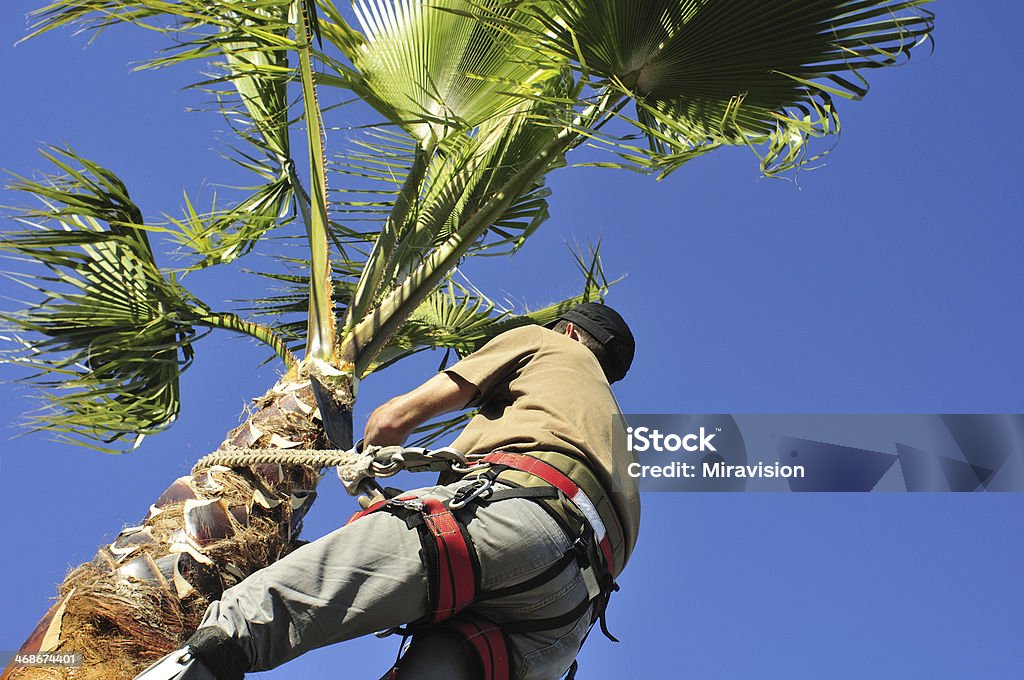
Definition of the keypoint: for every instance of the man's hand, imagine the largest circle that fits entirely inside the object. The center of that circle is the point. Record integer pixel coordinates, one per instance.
(392, 423)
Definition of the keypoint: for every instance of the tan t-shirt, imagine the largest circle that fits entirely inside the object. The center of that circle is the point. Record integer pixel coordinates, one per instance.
(543, 391)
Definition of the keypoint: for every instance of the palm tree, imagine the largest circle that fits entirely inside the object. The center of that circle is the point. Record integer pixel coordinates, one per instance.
(477, 101)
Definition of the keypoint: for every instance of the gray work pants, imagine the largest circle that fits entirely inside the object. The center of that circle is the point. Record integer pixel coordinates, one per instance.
(368, 576)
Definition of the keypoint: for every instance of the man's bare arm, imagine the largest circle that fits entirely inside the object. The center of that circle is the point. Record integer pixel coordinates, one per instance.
(393, 422)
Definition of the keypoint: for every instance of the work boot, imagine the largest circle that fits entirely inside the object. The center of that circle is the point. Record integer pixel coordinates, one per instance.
(208, 655)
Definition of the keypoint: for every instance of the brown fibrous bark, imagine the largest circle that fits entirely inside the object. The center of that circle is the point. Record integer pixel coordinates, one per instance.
(145, 593)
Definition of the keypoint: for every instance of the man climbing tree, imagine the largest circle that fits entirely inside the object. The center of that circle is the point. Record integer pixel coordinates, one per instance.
(498, 573)
(472, 105)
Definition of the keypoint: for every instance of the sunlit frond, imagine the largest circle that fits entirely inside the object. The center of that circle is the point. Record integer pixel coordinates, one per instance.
(763, 74)
(373, 168)
(285, 305)
(195, 29)
(472, 183)
(432, 67)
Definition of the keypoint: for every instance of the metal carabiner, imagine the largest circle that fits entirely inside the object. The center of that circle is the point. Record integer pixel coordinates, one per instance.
(471, 463)
(475, 489)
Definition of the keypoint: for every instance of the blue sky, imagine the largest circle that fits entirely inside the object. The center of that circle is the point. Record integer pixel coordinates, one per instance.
(886, 281)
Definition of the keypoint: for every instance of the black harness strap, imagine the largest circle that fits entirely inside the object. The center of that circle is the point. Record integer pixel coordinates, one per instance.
(454, 570)
(532, 492)
(583, 551)
(531, 583)
(552, 623)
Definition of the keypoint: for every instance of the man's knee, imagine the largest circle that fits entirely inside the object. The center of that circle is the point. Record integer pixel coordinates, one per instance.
(442, 657)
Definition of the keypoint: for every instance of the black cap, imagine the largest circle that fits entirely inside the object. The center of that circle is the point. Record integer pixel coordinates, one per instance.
(609, 329)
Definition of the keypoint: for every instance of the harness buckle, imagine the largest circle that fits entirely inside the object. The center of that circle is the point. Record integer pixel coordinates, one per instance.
(414, 504)
(590, 581)
(481, 487)
(581, 548)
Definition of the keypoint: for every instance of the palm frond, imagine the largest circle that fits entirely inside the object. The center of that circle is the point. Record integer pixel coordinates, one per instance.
(252, 94)
(222, 235)
(469, 172)
(445, 186)
(761, 74)
(432, 67)
(437, 431)
(248, 42)
(195, 29)
(477, 180)
(107, 333)
(285, 306)
(458, 317)
(106, 342)
(258, 70)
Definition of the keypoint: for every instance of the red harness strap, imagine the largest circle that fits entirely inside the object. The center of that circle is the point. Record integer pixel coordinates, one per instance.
(363, 513)
(451, 566)
(560, 481)
(487, 640)
(456, 578)
(453, 571)
(483, 638)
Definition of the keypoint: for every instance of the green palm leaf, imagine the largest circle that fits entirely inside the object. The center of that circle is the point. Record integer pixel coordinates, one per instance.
(187, 22)
(706, 73)
(108, 334)
(476, 181)
(106, 340)
(475, 168)
(461, 318)
(252, 94)
(249, 43)
(284, 308)
(432, 67)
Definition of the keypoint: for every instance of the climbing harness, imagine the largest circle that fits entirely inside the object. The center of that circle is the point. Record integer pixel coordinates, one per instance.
(447, 548)
(557, 479)
(483, 640)
(453, 572)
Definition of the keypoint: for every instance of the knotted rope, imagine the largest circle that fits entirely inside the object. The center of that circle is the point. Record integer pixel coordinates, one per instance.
(355, 466)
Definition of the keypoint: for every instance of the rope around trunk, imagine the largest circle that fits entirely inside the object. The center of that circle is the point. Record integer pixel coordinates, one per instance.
(356, 470)
(315, 458)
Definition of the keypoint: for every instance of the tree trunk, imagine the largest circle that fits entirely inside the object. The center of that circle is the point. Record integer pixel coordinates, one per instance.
(145, 593)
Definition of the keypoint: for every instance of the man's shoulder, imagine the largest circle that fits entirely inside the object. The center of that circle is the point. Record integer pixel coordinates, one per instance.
(521, 336)
(530, 330)
(532, 336)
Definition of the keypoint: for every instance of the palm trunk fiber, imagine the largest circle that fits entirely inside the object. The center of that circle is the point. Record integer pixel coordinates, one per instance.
(145, 593)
